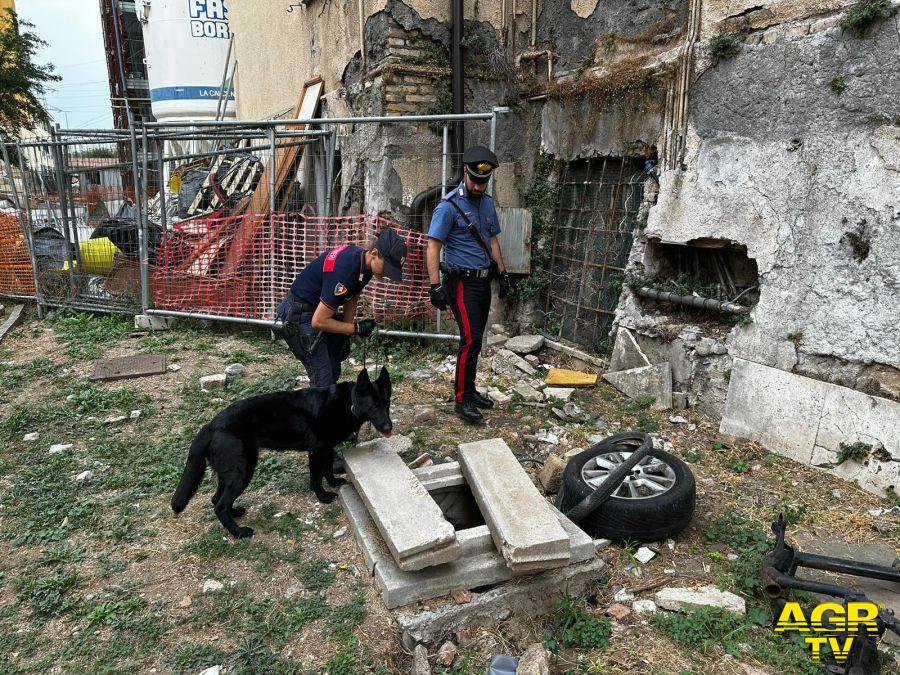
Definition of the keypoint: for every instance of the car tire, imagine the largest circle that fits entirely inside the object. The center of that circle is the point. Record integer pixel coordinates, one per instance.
(620, 518)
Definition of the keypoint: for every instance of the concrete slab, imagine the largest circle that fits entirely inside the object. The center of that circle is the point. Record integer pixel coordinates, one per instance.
(655, 381)
(436, 476)
(479, 564)
(561, 377)
(525, 344)
(408, 518)
(526, 598)
(521, 521)
(626, 353)
(808, 420)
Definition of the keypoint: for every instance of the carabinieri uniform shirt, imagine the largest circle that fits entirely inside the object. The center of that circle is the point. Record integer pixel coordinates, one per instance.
(448, 226)
(335, 277)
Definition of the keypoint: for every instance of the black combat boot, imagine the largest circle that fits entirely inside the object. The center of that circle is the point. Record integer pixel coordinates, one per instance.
(482, 401)
(469, 413)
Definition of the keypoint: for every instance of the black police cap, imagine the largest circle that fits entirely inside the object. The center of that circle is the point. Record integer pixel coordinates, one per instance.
(480, 161)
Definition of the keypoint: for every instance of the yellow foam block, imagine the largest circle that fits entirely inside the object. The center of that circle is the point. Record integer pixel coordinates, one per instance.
(96, 256)
(560, 377)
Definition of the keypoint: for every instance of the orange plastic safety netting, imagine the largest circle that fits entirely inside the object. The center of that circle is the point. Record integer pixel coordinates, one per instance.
(241, 266)
(16, 275)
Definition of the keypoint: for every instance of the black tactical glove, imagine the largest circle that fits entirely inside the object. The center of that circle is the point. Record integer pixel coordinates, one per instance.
(504, 285)
(364, 327)
(438, 296)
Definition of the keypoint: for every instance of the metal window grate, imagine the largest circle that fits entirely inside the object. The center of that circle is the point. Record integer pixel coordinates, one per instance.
(598, 205)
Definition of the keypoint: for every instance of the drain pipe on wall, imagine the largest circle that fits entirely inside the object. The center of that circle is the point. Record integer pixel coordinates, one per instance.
(692, 301)
(426, 200)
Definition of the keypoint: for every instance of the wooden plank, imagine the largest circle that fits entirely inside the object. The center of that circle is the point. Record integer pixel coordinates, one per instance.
(285, 160)
(14, 316)
(560, 377)
(128, 367)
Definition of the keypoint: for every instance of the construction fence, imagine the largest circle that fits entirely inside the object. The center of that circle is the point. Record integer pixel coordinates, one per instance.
(214, 220)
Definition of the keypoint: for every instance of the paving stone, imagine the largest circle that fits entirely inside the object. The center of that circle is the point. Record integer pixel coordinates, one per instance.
(525, 344)
(211, 382)
(521, 522)
(626, 353)
(685, 599)
(558, 393)
(409, 520)
(655, 381)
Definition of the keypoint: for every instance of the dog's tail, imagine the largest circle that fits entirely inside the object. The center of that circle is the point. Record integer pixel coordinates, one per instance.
(193, 472)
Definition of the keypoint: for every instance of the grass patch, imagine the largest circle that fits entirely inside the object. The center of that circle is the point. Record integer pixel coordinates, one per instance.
(87, 398)
(707, 627)
(315, 575)
(49, 596)
(86, 335)
(16, 376)
(194, 658)
(838, 86)
(750, 543)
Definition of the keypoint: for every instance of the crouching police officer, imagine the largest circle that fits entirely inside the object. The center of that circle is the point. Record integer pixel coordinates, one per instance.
(319, 313)
(465, 226)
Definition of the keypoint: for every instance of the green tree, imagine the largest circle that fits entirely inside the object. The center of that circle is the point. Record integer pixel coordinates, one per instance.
(22, 80)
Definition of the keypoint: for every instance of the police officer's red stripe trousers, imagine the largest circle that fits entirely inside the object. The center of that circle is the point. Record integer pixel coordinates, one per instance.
(470, 300)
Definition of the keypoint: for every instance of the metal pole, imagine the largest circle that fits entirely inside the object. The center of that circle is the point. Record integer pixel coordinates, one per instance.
(445, 149)
(273, 161)
(224, 76)
(26, 229)
(161, 163)
(423, 336)
(315, 121)
(64, 210)
(136, 184)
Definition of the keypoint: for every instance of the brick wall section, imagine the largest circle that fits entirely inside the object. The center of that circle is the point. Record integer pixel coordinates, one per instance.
(413, 80)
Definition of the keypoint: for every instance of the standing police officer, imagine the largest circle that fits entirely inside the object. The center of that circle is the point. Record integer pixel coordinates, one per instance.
(319, 312)
(465, 226)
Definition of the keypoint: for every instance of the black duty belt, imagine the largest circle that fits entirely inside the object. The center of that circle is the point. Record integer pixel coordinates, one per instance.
(465, 272)
(304, 306)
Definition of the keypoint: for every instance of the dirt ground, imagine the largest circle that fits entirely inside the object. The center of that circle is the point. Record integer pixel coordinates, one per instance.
(97, 575)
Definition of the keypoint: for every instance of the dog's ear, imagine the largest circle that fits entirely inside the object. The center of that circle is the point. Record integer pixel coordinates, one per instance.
(362, 380)
(384, 380)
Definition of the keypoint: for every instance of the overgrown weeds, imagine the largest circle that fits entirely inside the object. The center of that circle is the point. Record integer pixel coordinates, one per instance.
(864, 14)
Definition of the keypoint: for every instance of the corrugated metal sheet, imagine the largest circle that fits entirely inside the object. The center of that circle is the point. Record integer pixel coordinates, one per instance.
(515, 239)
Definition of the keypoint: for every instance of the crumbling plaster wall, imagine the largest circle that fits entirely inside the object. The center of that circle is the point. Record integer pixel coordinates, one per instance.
(807, 178)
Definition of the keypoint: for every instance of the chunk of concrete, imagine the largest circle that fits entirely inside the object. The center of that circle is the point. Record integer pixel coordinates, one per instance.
(528, 393)
(235, 369)
(535, 661)
(655, 381)
(398, 443)
(626, 353)
(521, 522)
(525, 344)
(147, 322)
(551, 473)
(686, 599)
(409, 520)
(558, 393)
(493, 339)
(509, 364)
(560, 377)
(420, 665)
(499, 397)
(213, 382)
(643, 607)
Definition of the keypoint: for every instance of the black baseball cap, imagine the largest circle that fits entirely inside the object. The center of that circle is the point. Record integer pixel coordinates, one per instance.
(480, 162)
(392, 248)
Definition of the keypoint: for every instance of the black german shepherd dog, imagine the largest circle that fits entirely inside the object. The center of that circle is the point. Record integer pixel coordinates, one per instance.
(315, 419)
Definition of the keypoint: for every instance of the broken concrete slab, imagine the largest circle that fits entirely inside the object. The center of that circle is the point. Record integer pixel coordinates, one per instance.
(499, 397)
(409, 520)
(525, 344)
(575, 353)
(398, 443)
(560, 377)
(808, 420)
(521, 521)
(528, 393)
(531, 597)
(558, 393)
(493, 340)
(626, 353)
(685, 599)
(437, 476)
(14, 315)
(147, 322)
(509, 364)
(655, 381)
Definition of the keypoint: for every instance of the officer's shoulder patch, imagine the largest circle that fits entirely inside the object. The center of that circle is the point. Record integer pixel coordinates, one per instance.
(339, 288)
